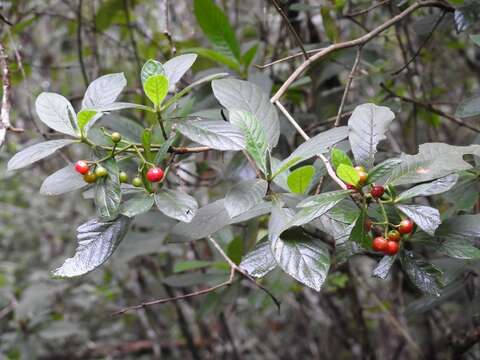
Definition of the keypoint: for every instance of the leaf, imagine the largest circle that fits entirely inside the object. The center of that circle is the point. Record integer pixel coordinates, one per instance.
(348, 174)
(56, 112)
(62, 181)
(242, 95)
(329, 24)
(217, 57)
(459, 249)
(244, 196)
(434, 160)
(176, 204)
(121, 106)
(426, 217)
(151, 68)
(190, 265)
(259, 261)
(216, 27)
(469, 107)
(108, 195)
(366, 128)
(176, 67)
(339, 157)
(359, 234)
(104, 90)
(249, 55)
(156, 88)
(163, 150)
(300, 179)
(255, 136)
(461, 226)
(97, 240)
(216, 134)
(306, 260)
(435, 187)
(84, 117)
(36, 152)
(423, 275)
(136, 205)
(383, 169)
(317, 205)
(384, 266)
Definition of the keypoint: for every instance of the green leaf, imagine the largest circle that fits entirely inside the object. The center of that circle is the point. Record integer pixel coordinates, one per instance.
(339, 157)
(423, 275)
(151, 68)
(62, 181)
(384, 266)
(84, 117)
(163, 150)
(104, 90)
(459, 249)
(216, 27)
(329, 24)
(244, 196)
(137, 204)
(435, 187)
(237, 95)
(191, 265)
(249, 55)
(300, 179)
(108, 195)
(218, 57)
(156, 88)
(235, 250)
(121, 106)
(216, 134)
(259, 261)
(306, 260)
(56, 112)
(426, 218)
(176, 204)
(146, 143)
(348, 174)
(383, 169)
(283, 166)
(359, 234)
(36, 152)
(256, 141)
(367, 127)
(97, 240)
(176, 67)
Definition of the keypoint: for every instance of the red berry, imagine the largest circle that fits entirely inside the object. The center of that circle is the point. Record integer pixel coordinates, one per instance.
(351, 187)
(377, 191)
(394, 235)
(406, 226)
(392, 248)
(154, 174)
(81, 166)
(379, 244)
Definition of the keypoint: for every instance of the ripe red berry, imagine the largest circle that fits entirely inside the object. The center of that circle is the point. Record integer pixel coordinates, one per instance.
(377, 191)
(154, 174)
(351, 187)
(392, 248)
(81, 166)
(379, 244)
(405, 226)
(394, 235)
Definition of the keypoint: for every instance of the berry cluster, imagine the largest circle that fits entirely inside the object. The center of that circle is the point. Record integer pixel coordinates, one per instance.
(391, 244)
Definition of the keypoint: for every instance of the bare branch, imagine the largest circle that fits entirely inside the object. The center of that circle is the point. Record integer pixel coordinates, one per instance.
(367, 10)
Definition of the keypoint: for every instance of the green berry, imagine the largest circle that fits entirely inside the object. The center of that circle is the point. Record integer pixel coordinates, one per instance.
(90, 177)
(116, 137)
(137, 182)
(100, 171)
(123, 177)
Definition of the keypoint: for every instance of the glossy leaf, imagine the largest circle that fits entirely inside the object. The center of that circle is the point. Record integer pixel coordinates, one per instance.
(176, 67)
(384, 169)
(348, 174)
(435, 187)
(339, 157)
(108, 195)
(426, 218)
(176, 204)
(259, 261)
(423, 275)
(384, 266)
(299, 180)
(151, 68)
(156, 88)
(62, 181)
(137, 205)
(244, 196)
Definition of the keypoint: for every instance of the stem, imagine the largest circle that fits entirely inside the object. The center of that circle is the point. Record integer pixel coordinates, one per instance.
(160, 122)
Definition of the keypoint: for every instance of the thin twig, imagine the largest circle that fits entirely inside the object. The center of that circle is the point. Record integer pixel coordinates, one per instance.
(80, 42)
(367, 10)
(289, 57)
(5, 20)
(290, 28)
(347, 86)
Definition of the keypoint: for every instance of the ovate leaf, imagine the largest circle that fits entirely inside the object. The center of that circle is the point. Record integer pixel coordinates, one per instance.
(62, 181)
(176, 67)
(244, 196)
(299, 180)
(151, 68)
(423, 275)
(176, 204)
(56, 112)
(367, 127)
(97, 240)
(156, 88)
(339, 157)
(384, 266)
(459, 249)
(107, 192)
(348, 174)
(137, 205)
(216, 134)
(426, 218)
(383, 169)
(36, 152)
(435, 187)
(260, 261)
(104, 90)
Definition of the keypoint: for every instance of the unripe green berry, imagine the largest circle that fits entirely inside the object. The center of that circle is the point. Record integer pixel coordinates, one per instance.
(100, 171)
(123, 177)
(90, 177)
(137, 182)
(116, 137)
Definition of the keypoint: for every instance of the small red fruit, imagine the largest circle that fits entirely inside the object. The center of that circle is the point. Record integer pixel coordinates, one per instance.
(81, 166)
(351, 187)
(392, 248)
(394, 235)
(154, 174)
(379, 244)
(377, 191)
(405, 226)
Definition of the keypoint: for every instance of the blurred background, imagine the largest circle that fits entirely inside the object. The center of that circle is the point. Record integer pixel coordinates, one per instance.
(422, 68)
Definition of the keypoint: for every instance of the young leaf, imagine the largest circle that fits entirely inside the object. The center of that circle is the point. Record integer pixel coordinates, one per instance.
(104, 90)
(259, 261)
(244, 196)
(136, 205)
(367, 127)
(97, 240)
(216, 134)
(423, 275)
(36, 152)
(348, 174)
(339, 157)
(62, 181)
(56, 112)
(426, 218)
(435, 187)
(151, 68)
(216, 27)
(156, 88)
(300, 179)
(176, 204)
(176, 67)
(242, 95)
(108, 195)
